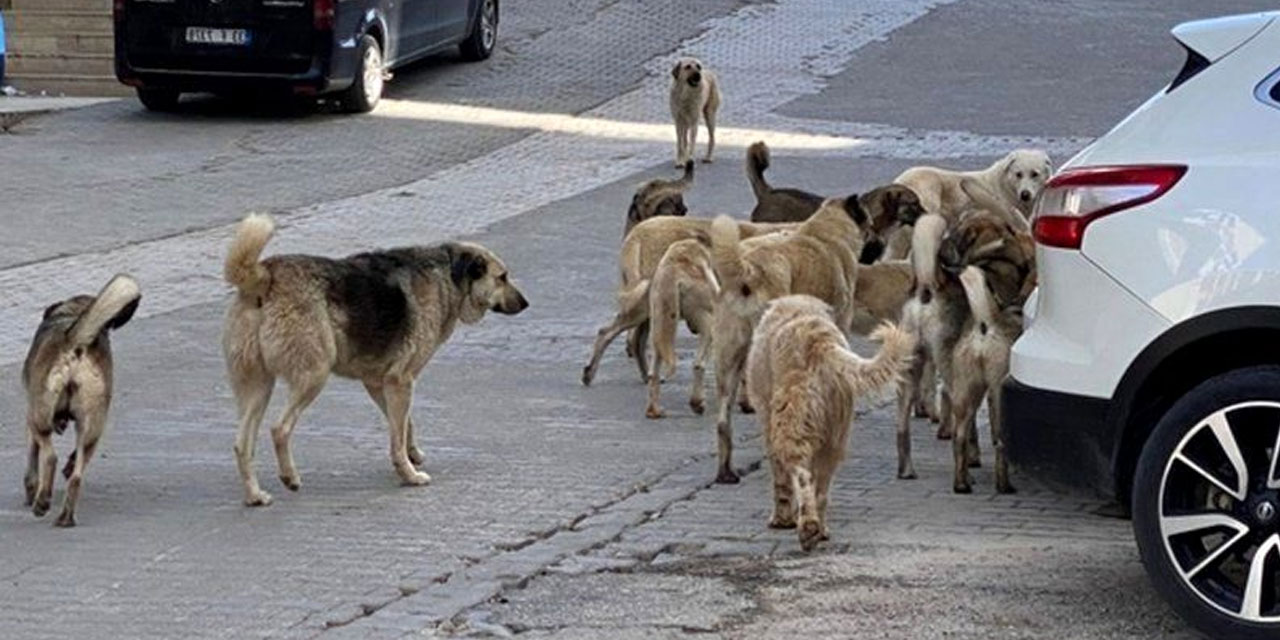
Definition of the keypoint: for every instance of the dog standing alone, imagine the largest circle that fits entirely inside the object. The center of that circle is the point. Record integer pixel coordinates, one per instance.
(68, 377)
(695, 95)
(804, 380)
(377, 317)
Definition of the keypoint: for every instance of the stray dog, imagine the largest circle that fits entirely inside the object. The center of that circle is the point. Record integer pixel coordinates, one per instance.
(68, 377)
(939, 313)
(804, 379)
(980, 362)
(820, 258)
(659, 197)
(695, 95)
(377, 317)
(795, 205)
(883, 289)
(684, 286)
(642, 249)
(1008, 187)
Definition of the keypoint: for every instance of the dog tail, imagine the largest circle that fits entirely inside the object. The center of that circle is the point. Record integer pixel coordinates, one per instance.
(982, 196)
(113, 307)
(883, 371)
(926, 239)
(726, 254)
(975, 291)
(757, 163)
(242, 268)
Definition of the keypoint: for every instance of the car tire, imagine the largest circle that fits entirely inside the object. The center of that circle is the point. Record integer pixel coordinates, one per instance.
(366, 91)
(483, 38)
(1206, 505)
(158, 99)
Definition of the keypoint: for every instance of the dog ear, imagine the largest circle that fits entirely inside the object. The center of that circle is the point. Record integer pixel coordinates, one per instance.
(675, 70)
(853, 207)
(871, 251)
(48, 311)
(126, 314)
(467, 266)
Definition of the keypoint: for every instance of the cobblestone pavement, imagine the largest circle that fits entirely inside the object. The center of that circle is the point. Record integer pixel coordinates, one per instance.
(556, 510)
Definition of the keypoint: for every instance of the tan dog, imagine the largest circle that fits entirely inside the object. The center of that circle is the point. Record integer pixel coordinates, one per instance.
(939, 312)
(377, 317)
(684, 286)
(642, 249)
(819, 259)
(805, 380)
(695, 95)
(980, 363)
(68, 377)
(659, 197)
(883, 289)
(1008, 188)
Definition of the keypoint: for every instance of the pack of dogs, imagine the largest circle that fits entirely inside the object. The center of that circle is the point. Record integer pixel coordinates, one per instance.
(934, 266)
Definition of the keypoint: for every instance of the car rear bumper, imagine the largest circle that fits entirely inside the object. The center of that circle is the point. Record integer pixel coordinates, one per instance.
(1061, 439)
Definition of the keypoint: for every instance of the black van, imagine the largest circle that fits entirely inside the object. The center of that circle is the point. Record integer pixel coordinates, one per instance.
(344, 47)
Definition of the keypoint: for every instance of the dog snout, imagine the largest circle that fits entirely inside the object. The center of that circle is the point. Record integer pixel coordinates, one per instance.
(695, 78)
(1025, 195)
(513, 304)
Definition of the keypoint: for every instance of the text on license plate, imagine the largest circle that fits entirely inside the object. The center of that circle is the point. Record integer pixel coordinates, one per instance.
(205, 35)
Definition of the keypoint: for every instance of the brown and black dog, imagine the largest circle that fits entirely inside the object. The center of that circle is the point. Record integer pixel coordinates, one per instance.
(377, 317)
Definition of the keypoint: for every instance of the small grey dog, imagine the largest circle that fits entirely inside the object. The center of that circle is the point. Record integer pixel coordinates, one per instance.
(68, 376)
(694, 94)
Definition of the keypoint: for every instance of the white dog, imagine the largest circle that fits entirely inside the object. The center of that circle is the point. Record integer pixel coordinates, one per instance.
(694, 94)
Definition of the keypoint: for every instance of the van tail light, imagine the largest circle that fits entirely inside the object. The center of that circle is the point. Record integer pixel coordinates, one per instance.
(1077, 197)
(322, 14)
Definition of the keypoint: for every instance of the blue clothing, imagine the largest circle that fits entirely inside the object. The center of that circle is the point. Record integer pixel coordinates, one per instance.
(1, 33)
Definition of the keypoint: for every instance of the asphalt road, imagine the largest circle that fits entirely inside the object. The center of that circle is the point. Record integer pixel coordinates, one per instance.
(555, 510)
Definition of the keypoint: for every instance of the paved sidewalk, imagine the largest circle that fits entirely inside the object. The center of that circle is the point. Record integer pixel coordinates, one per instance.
(42, 104)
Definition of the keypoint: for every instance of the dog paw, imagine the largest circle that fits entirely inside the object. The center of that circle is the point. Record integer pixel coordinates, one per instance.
(679, 164)
(810, 533)
(707, 160)
(1006, 488)
(258, 499)
(727, 476)
(962, 489)
(698, 405)
(415, 479)
(746, 408)
(30, 489)
(975, 463)
(416, 456)
(907, 475)
(586, 376)
(778, 522)
(65, 519)
(654, 412)
(291, 483)
(40, 507)
(944, 433)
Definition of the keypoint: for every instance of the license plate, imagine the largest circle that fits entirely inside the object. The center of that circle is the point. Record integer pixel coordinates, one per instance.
(229, 37)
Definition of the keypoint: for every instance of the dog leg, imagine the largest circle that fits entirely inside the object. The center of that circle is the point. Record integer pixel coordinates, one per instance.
(604, 336)
(824, 470)
(29, 479)
(972, 451)
(908, 391)
(946, 425)
(642, 350)
(784, 508)
(697, 395)
(994, 411)
(808, 527)
(411, 448)
(47, 465)
(252, 396)
(962, 421)
(654, 409)
(302, 392)
(682, 139)
(399, 396)
(86, 441)
(709, 116)
(730, 360)
(691, 148)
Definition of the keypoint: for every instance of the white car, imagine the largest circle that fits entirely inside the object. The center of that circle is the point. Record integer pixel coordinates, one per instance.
(1149, 370)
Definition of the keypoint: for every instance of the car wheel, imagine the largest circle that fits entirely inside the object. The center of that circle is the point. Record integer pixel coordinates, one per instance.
(1206, 505)
(363, 94)
(484, 36)
(156, 99)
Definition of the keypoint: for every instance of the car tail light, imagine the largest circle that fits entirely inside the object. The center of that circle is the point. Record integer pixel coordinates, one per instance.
(1077, 197)
(322, 14)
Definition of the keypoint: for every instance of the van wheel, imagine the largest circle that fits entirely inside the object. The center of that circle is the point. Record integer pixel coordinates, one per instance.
(363, 94)
(1206, 505)
(155, 99)
(484, 36)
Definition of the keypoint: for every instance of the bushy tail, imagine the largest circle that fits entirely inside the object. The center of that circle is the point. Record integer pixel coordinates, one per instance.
(882, 372)
(726, 254)
(757, 163)
(113, 307)
(926, 239)
(242, 268)
(975, 290)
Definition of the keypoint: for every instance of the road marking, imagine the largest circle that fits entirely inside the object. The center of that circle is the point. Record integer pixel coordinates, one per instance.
(810, 40)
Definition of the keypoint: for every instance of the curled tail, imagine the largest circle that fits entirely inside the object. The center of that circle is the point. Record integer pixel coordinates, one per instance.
(726, 253)
(883, 371)
(757, 163)
(926, 239)
(975, 290)
(112, 308)
(242, 268)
